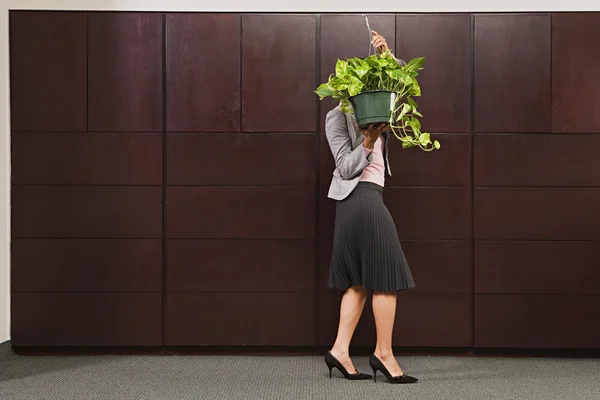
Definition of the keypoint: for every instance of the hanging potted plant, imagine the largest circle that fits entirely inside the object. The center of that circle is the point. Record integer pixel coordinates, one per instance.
(378, 90)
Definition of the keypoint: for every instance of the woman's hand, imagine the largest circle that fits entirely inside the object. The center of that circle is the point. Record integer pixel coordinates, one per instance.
(372, 133)
(379, 42)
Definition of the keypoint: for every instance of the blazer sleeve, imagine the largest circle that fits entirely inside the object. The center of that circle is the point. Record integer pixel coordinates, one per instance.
(349, 163)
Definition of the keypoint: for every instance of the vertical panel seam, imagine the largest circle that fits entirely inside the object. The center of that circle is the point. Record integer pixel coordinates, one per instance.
(164, 179)
(472, 178)
(87, 72)
(551, 105)
(317, 179)
(241, 98)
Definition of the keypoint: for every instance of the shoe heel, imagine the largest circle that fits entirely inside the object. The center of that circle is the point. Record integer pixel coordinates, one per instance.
(330, 369)
(374, 375)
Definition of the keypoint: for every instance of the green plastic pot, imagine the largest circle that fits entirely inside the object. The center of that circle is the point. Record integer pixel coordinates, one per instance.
(374, 107)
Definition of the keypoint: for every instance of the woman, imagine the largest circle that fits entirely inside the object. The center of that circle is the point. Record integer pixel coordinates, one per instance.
(367, 255)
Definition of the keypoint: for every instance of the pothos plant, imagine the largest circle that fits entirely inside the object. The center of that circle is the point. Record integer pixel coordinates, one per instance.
(383, 73)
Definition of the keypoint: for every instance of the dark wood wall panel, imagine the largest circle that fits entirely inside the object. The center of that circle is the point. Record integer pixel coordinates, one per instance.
(86, 319)
(413, 167)
(48, 71)
(438, 266)
(421, 320)
(241, 159)
(247, 167)
(537, 213)
(240, 319)
(80, 265)
(86, 212)
(345, 36)
(537, 160)
(76, 158)
(240, 212)
(125, 72)
(445, 42)
(234, 265)
(449, 166)
(537, 267)
(575, 78)
(278, 96)
(203, 72)
(512, 73)
(531, 321)
(445, 212)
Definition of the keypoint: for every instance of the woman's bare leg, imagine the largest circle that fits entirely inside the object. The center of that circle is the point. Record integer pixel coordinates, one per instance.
(384, 310)
(351, 309)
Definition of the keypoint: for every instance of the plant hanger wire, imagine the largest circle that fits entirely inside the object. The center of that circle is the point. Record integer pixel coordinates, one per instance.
(371, 45)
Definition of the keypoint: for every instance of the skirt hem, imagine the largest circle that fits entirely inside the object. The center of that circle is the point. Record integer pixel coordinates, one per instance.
(369, 288)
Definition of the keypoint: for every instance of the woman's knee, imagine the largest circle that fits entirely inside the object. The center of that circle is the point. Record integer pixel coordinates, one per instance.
(357, 290)
(385, 293)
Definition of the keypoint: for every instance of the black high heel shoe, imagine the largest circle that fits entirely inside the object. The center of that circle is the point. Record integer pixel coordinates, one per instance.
(377, 365)
(332, 362)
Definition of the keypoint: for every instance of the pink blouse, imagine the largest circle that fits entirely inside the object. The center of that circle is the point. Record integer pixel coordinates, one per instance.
(375, 172)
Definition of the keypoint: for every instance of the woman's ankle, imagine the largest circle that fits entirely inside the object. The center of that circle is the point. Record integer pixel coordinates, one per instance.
(340, 350)
(384, 354)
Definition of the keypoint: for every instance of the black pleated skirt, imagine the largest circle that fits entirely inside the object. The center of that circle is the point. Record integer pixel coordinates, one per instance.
(366, 247)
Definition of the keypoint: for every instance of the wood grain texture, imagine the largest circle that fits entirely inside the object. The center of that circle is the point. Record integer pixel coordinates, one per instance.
(259, 265)
(537, 267)
(86, 319)
(86, 265)
(537, 160)
(125, 72)
(421, 320)
(445, 42)
(86, 212)
(441, 266)
(529, 321)
(241, 159)
(203, 72)
(447, 212)
(279, 96)
(48, 71)
(449, 166)
(345, 36)
(575, 78)
(76, 158)
(537, 213)
(512, 73)
(240, 319)
(229, 212)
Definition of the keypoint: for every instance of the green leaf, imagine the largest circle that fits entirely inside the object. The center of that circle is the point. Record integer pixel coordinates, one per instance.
(345, 106)
(416, 64)
(412, 103)
(396, 74)
(436, 144)
(415, 89)
(341, 68)
(354, 89)
(324, 91)
(407, 144)
(424, 139)
(405, 109)
(360, 67)
(415, 123)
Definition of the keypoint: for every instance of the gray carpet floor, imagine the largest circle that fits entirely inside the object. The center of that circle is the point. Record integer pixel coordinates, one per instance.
(285, 377)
